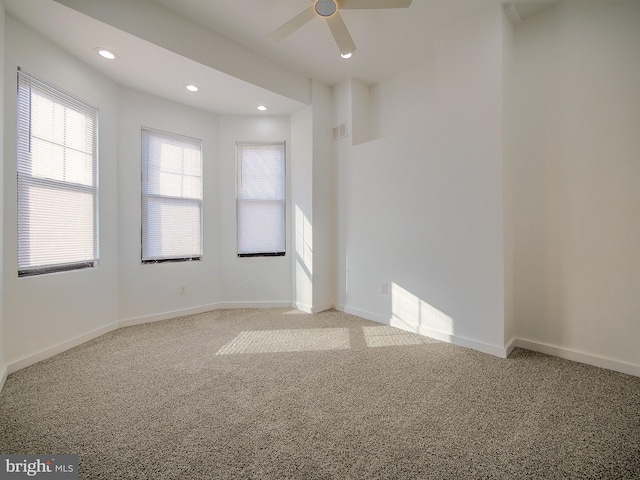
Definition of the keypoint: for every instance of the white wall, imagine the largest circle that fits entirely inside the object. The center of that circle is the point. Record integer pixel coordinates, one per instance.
(424, 212)
(577, 176)
(46, 314)
(44, 311)
(341, 113)
(360, 112)
(313, 197)
(508, 189)
(405, 103)
(314, 203)
(324, 206)
(302, 205)
(251, 280)
(153, 289)
(469, 147)
(483, 209)
(2, 160)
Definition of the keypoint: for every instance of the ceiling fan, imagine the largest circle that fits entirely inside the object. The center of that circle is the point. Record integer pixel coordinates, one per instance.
(329, 10)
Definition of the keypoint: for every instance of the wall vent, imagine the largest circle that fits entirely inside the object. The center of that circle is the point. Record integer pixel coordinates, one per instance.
(340, 131)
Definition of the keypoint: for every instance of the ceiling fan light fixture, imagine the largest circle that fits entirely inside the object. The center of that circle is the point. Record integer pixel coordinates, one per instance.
(329, 10)
(325, 8)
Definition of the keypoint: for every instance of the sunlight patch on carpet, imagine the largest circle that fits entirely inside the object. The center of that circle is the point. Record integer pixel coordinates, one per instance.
(298, 340)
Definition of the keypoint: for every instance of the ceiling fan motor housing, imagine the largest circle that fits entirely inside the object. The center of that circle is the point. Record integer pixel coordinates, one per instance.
(326, 8)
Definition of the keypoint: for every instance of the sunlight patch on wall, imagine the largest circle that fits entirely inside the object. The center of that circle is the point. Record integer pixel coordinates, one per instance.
(411, 313)
(304, 287)
(385, 336)
(303, 261)
(304, 240)
(298, 340)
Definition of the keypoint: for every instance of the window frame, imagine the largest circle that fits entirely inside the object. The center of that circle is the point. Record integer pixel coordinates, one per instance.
(27, 86)
(283, 201)
(144, 171)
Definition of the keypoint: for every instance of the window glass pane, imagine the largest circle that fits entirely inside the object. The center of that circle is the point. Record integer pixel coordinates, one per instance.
(261, 198)
(59, 226)
(171, 196)
(57, 179)
(47, 160)
(262, 227)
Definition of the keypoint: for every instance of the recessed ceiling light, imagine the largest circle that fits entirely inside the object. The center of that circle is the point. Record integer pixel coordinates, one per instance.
(263, 108)
(105, 53)
(346, 55)
(192, 88)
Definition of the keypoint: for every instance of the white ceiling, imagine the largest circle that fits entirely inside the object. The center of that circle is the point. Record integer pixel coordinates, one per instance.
(388, 42)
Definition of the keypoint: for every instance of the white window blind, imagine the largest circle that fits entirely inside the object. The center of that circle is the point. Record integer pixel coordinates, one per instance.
(261, 198)
(171, 197)
(57, 174)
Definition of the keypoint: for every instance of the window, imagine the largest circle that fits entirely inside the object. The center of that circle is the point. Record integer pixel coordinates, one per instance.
(261, 199)
(171, 197)
(57, 174)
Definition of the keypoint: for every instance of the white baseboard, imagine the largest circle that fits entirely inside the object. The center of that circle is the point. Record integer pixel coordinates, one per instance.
(303, 308)
(374, 317)
(497, 351)
(3, 376)
(199, 309)
(322, 308)
(156, 317)
(59, 348)
(494, 350)
(581, 357)
(502, 352)
(231, 305)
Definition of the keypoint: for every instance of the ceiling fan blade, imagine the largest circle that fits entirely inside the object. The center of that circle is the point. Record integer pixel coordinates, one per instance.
(367, 4)
(341, 34)
(292, 25)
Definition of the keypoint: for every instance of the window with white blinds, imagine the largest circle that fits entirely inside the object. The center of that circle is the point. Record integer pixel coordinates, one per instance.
(57, 174)
(261, 199)
(171, 197)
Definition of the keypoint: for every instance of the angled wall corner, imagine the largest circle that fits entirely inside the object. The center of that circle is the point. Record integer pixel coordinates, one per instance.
(324, 199)
(302, 207)
(421, 203)
(313, 199)
(351, 118)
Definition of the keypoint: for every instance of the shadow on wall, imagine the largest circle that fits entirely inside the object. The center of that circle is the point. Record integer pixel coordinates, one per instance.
(409, 312)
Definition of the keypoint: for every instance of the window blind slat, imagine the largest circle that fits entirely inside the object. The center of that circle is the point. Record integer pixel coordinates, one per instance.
(261, 198)
(171, 196)
(57, 168)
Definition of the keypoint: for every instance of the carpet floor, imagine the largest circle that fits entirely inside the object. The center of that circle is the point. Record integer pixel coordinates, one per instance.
(276, 394)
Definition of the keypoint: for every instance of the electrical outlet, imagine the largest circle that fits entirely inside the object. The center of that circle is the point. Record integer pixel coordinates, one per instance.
(182, 289)
(384, 288)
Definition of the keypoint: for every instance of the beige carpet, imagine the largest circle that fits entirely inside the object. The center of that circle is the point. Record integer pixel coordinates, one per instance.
(273, 394)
